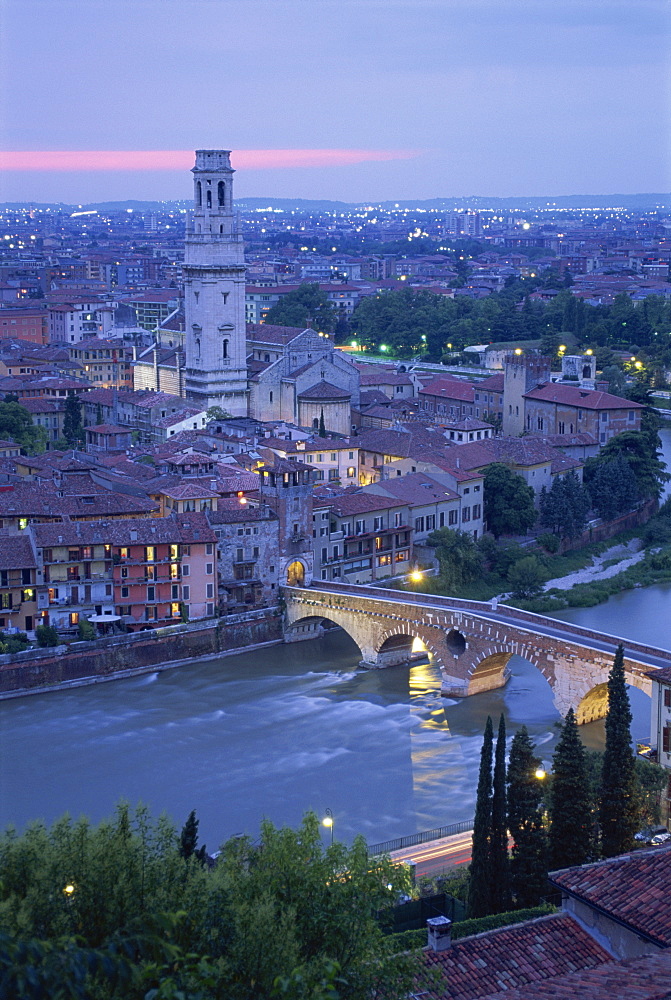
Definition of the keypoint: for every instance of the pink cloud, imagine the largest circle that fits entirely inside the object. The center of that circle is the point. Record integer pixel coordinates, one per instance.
(178, 159)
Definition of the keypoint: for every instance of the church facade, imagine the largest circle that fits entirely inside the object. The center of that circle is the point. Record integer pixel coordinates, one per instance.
(266, 372)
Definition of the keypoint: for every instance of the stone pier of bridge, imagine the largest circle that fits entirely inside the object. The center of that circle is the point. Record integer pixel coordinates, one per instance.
(471, 650)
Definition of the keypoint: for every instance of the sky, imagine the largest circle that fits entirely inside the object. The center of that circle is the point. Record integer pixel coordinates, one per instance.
(351, 100)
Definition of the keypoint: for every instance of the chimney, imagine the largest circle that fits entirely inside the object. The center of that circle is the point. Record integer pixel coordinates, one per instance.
(602, 386)
(440, 933)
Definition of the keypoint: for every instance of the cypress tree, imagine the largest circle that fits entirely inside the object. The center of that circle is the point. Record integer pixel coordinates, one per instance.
(617, 814)
(528, 865)
(188, 841)
(322, 425)
(499, 835)
(480, 882)
(570, 820)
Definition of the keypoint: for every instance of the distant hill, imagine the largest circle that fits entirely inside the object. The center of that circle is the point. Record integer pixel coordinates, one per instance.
(628, 202)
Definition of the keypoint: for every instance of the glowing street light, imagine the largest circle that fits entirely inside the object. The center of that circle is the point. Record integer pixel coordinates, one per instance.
(328, 822)
(518, 350)
(416, 576)
(383, 347)
(540, 773)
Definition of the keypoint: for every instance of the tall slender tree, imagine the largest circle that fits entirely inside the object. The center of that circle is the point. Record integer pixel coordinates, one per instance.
(528, 865)
(499, 835)
(570, 837)
(617, 813)
(480, 883)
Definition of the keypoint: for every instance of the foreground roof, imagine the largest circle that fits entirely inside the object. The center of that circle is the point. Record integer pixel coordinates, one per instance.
(634, 889)
(511, 957)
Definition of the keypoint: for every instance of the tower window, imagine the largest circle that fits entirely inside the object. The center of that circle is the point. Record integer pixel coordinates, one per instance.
(221, 188)
(270, 397)
(209, 199)
(199, 193)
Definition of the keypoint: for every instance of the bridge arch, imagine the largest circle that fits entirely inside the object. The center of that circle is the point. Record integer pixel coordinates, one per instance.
(395, 645)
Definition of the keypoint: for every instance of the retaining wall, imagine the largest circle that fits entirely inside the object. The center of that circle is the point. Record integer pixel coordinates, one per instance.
(139, 652)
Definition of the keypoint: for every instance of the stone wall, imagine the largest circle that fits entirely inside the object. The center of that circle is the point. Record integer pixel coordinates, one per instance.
(140, 652)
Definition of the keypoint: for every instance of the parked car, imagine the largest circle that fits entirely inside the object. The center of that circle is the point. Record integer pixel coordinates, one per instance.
(646, 836)
(661, 838)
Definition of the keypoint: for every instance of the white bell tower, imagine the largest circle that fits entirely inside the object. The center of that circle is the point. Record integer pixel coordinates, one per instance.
(214, 290)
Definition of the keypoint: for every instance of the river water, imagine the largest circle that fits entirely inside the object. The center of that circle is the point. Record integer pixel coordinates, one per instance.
(277, 731)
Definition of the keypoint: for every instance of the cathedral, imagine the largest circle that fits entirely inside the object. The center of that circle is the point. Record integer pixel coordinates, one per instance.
(266, 372)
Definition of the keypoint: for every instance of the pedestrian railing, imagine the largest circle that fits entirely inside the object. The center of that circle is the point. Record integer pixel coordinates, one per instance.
(388, 846)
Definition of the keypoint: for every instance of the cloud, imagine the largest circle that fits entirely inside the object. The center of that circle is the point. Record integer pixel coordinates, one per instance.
(179, 159)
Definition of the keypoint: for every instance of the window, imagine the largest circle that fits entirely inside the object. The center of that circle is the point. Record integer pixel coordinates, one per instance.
(74, 618)
(377, 523)
(255, 552)
(453, 518)
(186, 592)
(351, 472)
(430, 522)
(124, 591)
(604, 418)
(476, 511)
(174, 551)
(476, 489)
(631, 416)
(419, 524)
(466, 514)
(209, 590)
(360, 527)
(350, 455)
(667, 697)
(208, 569)
(467, 490)
(28, 594)
(174, 571)
(398, 519)
(150, 553)
(174, 592)
(151, 593)
(666, 739)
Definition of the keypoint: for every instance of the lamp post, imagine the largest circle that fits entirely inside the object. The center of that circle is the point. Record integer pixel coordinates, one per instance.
(328, 822)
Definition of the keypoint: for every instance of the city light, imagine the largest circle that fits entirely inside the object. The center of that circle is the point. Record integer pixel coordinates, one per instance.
(416, 576)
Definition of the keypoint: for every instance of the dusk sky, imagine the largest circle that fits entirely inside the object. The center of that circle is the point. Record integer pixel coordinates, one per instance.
(367, 99)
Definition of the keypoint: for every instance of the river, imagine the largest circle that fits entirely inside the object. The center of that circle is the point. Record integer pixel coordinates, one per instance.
(281, 730)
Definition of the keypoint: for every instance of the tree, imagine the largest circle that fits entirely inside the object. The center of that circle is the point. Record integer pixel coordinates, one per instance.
(500, 865)
(322, 425)
(613, 488)
(508, 501)
(570, 836)
(73, 430)
(526, 577)
(564, 507)
(459, 556)
(304, 305)
(216, 413)
(188, 840)
(16, 423)
(617, 814)
(115, 883)
(480, 883)
(528, 864)
(641, 451)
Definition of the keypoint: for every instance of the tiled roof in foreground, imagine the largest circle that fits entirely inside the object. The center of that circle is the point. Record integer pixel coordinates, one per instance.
(513, 957)
(634, 889)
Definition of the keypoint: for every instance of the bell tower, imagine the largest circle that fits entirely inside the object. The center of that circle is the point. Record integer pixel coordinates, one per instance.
(214, 290)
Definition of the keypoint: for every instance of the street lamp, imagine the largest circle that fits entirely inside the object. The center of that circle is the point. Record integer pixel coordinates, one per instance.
(328, 822)
(540, 773)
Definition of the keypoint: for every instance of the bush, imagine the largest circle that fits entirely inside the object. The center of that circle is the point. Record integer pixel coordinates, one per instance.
(526, 577)
(549, 542)
(87, 632)
(13, 643)
(407, 940)
(46, 635)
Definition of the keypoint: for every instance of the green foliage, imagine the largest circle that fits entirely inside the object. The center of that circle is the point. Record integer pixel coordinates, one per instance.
(284, 917)
(465, 928)
(188, 840)
(527, 577)
(570, 836)
(498, 843)
(617, 814)
(459, 556)
(549, 541)
(508, 501)
(16, 423)
(14, 643)
(46, 635)
(73, 429)
(613, 488)
(640, 450)
(480, 884)
(304, 305)
(322, 425)
(528, 864)
(216, 413)
(87, 632)
(564, 507)
(651, 781)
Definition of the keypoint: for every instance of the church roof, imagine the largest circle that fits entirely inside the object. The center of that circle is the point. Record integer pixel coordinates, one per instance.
(326, 391)
(265, 333)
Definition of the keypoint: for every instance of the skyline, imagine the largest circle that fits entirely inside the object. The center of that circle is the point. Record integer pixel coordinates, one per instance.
(351, 100)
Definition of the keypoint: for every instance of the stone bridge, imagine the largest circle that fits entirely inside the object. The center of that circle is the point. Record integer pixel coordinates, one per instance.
(471, 641)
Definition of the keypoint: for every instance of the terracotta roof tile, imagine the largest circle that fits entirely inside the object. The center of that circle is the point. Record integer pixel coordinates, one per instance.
(633, 888)
(512, 957)
(586, 399)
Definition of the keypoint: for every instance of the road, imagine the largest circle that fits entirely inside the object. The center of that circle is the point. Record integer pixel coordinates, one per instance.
(435, 856)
